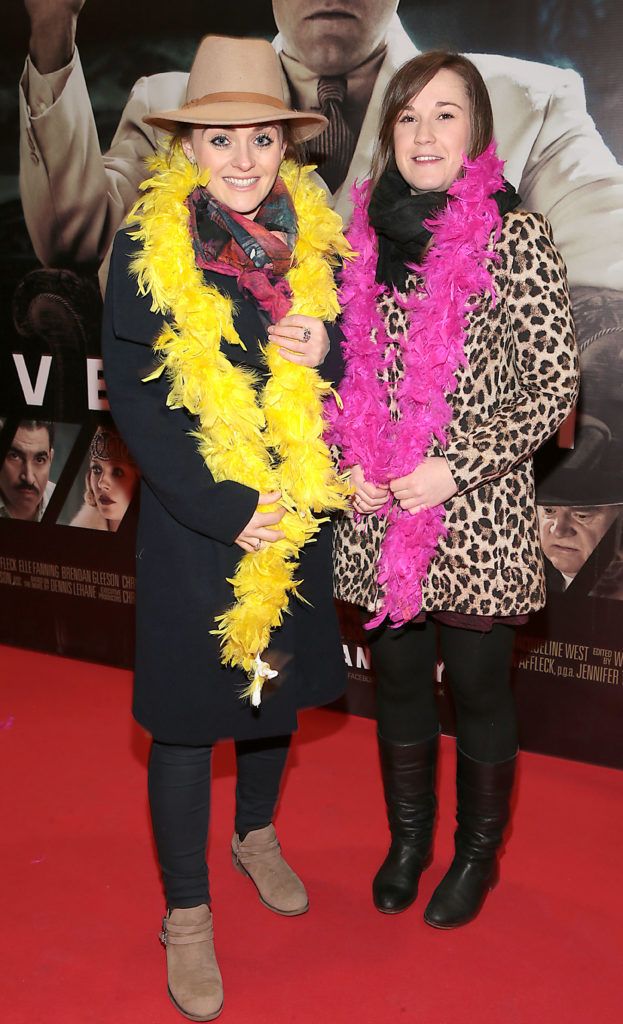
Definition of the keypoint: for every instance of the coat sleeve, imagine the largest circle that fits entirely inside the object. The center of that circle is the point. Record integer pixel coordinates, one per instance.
(74, 196)
(158, 437)
(546, 365)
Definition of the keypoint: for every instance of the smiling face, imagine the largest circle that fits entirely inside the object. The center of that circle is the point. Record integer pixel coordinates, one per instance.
(570, 534)
(243, 162)
(25, 472)
(331, 37)
(112, 483)
(432, 134)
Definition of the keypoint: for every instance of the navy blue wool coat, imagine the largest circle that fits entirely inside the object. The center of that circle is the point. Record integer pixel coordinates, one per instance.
(185, 545)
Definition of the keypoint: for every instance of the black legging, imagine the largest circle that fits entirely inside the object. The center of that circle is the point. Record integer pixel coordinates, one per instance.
(179, 780)
(478, 670)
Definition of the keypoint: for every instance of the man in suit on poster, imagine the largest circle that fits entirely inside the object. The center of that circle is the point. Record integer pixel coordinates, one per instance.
(337, 55)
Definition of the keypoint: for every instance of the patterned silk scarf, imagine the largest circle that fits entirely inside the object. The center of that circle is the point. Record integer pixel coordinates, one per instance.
(227, 242)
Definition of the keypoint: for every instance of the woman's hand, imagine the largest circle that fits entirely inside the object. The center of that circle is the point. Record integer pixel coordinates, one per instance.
(301, 339)
(367, 497)
(430, 484)
(257, 533)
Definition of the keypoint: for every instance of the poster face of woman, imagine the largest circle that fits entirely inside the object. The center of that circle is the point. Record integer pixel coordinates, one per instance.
(112, 484)
(104, 486)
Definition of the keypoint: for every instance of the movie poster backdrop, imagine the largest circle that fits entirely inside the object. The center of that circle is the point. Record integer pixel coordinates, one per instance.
(550, 65)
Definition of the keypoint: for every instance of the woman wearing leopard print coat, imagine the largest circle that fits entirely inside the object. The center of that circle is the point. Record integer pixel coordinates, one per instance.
(461, 361)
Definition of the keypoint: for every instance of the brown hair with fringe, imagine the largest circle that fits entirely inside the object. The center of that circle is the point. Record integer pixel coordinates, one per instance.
(409, 81)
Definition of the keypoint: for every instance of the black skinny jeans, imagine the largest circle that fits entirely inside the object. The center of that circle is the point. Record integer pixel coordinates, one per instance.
(478, 671)
(179, 782)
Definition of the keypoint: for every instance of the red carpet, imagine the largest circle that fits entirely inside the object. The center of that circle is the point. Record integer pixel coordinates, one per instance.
(81, 904)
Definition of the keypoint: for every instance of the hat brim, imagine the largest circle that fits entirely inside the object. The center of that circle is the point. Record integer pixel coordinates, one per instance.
(579, 488)
(305, 125)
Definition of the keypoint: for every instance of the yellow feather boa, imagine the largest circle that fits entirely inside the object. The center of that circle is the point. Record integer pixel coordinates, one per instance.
(239, 425)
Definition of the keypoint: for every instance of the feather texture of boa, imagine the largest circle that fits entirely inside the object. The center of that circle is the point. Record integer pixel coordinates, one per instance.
(243, 425)
(455, 276)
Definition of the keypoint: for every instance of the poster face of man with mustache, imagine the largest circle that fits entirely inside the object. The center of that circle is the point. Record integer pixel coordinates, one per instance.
(25, 486)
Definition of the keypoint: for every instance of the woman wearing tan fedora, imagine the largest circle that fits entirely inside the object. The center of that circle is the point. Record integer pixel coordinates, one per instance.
(225, 271)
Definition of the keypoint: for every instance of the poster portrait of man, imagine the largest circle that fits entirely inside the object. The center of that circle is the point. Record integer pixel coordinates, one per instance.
(338, 60)
(33, 462)
(569, 536)
(580, 501)
(25, 485)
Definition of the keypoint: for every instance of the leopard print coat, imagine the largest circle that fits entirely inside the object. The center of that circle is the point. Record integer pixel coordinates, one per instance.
(520, 381)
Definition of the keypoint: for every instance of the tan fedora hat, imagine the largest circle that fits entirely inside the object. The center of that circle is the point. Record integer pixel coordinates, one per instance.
(237, 82)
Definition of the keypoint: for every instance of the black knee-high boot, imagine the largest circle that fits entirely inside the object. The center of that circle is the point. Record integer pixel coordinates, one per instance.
(408, 771)
(483, 807)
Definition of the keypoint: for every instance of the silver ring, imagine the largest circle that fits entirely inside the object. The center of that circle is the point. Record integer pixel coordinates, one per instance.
(306, 335)
(257, 544)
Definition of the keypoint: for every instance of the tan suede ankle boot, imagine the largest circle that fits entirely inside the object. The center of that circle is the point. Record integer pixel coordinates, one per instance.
(259, 857)
(194, 980)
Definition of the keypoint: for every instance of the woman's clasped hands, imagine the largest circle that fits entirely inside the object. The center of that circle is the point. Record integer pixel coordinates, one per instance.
(429, 484)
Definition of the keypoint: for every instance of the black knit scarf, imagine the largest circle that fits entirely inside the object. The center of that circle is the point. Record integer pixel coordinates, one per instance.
(397, 215)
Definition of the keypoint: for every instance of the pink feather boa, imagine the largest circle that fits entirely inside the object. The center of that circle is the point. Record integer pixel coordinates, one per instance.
(456, 275)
